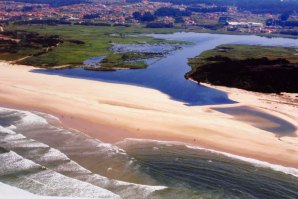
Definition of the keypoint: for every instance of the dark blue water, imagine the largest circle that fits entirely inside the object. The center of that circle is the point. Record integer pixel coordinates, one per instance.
(167, 74)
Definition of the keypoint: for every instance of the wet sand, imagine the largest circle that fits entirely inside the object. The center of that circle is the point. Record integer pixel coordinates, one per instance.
(112, 112)
(261, 120)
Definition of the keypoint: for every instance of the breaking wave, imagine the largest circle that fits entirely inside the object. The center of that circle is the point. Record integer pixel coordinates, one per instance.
(38, 157)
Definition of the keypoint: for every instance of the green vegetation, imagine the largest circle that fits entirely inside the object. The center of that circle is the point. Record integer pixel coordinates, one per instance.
(16, 44)
(78, 43)
(10, 56)
(127, 60)
(90, 42)
(256, 68)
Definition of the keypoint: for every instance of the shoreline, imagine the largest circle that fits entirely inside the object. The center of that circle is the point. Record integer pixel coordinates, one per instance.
(90, 106)
(255, 162)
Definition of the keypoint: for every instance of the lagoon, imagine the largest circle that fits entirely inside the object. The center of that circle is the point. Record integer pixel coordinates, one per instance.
(166, 74)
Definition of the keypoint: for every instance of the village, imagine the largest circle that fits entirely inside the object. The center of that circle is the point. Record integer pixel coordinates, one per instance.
(201, 17)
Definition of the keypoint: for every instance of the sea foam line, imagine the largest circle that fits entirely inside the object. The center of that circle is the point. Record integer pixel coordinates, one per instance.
(258, 163)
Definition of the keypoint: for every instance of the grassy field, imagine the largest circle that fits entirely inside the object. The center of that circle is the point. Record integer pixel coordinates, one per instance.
(96, 41)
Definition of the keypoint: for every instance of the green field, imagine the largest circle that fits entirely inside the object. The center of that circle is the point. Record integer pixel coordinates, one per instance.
(96, 42)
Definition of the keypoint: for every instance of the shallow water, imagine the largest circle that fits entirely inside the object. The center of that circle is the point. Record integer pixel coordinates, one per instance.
(261, 120)
(94, 61)
(39, 156)
(167, 74)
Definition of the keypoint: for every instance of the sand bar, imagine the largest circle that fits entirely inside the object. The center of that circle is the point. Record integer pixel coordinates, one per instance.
(112, 112)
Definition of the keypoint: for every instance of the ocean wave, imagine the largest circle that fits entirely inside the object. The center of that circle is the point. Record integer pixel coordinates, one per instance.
(27, 118)
(28, 152)
(10, 192)
(12, 163)
(10, 137)
(59, 162)
(43, 181)
(6, 130)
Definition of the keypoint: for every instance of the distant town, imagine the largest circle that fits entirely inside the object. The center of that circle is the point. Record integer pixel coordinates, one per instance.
(202, 17)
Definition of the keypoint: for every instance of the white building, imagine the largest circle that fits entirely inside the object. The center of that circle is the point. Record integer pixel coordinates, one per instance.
(245, 24)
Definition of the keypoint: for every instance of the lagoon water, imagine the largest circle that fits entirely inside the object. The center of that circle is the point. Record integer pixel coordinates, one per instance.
(167, 74)
(40, 156)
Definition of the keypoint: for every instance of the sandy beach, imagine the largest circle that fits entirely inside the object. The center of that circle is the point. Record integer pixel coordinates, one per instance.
(112, 112)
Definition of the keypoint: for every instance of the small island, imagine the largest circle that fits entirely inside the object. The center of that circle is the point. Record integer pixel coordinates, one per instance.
(254, 68)
(127, 60)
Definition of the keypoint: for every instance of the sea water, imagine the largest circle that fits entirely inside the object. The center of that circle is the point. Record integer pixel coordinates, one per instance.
(40, 157)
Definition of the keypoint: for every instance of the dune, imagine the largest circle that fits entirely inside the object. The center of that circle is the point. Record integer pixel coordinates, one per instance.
(112, 112)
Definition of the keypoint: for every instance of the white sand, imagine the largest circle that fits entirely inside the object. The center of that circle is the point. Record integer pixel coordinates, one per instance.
(112, 112)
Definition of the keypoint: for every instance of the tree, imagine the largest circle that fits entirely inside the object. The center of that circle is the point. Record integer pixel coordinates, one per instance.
(179, 20)
(173, 12)
(148, 17)
(137, 15)
(285, 16)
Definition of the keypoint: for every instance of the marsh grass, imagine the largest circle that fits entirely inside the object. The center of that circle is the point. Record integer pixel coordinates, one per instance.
(95, 41)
